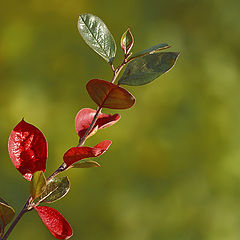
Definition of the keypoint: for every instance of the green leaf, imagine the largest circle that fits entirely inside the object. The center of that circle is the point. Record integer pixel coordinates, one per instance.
(56, 189)
(150, 50)
(97, 36)
(127, 41)
(145, 69)
(38, 184)
(86, 164)
(6, 215)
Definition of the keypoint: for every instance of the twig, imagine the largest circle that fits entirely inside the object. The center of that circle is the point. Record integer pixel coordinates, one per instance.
(27, 206)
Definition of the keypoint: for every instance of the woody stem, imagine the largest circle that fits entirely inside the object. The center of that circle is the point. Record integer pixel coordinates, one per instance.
(64, 166)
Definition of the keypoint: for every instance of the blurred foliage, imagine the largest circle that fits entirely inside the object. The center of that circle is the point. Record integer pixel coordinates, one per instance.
(173, 170)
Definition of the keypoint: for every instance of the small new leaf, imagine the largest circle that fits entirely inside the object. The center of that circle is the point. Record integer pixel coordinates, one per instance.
(6, 215)
(127, 41)
(56, 189)
(86, 164)
(38, 184)
(96, 34)
(145, 69)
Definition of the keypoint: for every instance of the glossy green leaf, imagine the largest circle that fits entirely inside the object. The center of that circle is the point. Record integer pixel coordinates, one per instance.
(38, 184)
(109, 95)
(145, 69)
(97, 36)
(127, 41)
(56, 189)
(6, 215)
(150, 50)
(86, 164)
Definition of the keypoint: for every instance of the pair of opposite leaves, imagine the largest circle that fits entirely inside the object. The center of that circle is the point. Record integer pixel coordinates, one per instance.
(27, 148)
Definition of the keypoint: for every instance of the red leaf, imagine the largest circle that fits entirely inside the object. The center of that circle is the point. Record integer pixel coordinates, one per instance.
(109, 95)
(27, 149)
(55, 222)
(76, 154)
(85, 116)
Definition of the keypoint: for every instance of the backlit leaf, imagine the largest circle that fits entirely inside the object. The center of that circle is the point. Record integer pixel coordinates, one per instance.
(85, 116)
(86, 164)
(76, 154)
(6, 215)
(55, 222)
(56, 189)
(150, 50)
(109, 95)
(38, 184)
(145, 69)
(97, 36)
(27, 149)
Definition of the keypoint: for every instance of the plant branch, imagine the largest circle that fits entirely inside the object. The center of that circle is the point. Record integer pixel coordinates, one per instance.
(118, 70)
(27, 206)
(62, 168)
(115, 75)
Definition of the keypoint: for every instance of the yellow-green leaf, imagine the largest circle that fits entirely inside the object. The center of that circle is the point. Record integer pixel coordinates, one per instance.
(38, 184)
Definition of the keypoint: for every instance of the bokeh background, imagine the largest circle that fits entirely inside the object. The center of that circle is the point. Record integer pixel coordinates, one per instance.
(173, 170)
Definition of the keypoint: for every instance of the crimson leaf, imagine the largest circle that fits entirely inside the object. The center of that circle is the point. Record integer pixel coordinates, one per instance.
(85, 116)
(27, 149)
(76, 154)
(55, 222)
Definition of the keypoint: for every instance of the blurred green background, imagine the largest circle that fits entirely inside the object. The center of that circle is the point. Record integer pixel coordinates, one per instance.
(173, 170)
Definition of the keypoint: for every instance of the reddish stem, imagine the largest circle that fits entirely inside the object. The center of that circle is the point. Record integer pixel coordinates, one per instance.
(82, 140)
(27, 206)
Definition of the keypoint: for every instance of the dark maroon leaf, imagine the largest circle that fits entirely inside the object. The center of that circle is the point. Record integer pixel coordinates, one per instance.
(109, 95)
